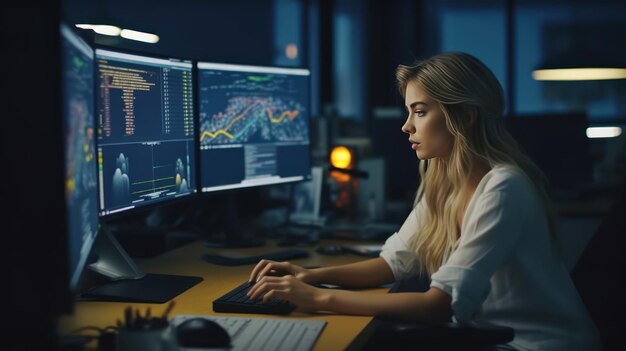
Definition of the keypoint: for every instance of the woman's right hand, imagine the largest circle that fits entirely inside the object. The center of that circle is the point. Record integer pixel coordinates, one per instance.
(273, 268)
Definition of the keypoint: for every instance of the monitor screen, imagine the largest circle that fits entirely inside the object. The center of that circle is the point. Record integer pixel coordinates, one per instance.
(254, 125)
(81, 189)
(145, 118)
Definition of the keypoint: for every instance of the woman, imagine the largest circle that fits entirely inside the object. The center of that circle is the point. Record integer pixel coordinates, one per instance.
(482, 227)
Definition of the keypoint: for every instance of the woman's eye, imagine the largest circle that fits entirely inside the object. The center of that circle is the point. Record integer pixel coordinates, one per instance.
(419, 113)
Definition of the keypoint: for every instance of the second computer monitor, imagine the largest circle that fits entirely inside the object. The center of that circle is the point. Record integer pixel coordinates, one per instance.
(146, 144)
(254, 125)
(81, 191)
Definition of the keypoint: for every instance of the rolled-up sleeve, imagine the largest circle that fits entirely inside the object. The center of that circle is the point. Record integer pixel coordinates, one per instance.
(397, 249)
(489, 236)
(467, 287)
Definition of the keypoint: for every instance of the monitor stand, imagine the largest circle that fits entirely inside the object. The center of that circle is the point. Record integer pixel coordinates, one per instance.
(233, 235)
(113, 276)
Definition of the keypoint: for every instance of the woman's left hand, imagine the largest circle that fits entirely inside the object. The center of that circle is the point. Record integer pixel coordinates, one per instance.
(303, 295)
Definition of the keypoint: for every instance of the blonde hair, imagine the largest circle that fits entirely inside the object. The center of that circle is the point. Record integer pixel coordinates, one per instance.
(472, 102)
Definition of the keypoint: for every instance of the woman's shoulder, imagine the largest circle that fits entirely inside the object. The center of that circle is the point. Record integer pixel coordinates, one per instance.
(507, 186)
(506, 178)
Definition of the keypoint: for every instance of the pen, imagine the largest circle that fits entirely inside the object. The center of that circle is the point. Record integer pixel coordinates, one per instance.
(138, 319)
(128, 316)
(168, 310)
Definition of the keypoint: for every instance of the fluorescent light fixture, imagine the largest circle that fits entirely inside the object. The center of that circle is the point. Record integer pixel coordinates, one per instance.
(124, 33)
(579, 74)
(603, 132)
(104, 29)
(139, 36)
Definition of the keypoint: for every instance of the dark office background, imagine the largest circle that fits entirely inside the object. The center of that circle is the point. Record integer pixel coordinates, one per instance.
(352, 48)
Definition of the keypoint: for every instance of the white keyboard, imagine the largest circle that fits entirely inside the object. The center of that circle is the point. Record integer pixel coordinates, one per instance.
(264, 333)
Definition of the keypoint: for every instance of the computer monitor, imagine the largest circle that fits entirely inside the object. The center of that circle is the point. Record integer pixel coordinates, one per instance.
(254, 125)
(81, 185)
(254, 128)
(145, 118)
(145, 155)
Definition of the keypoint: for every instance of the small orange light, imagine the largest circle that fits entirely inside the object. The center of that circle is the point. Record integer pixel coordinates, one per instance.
(291, 51)
(341, 157)
(340, 178)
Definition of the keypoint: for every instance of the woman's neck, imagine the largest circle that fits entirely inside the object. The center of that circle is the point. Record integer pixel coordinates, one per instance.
(476, 175)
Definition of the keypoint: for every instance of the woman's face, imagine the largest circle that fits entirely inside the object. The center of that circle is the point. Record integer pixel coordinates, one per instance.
(426, 125)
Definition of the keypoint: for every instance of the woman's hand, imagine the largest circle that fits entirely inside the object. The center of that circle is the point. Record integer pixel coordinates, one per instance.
(306, 297)
(272, 268)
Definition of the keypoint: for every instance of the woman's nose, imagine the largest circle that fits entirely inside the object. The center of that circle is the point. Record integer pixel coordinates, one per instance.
(408, 127)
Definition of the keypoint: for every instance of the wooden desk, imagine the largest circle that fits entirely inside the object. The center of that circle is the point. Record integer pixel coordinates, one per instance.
(341, 332)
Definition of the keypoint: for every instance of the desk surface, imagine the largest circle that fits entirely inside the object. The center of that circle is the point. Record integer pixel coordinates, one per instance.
(341, 332)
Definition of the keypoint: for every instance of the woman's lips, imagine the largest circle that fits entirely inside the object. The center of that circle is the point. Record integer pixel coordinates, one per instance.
(414, 144)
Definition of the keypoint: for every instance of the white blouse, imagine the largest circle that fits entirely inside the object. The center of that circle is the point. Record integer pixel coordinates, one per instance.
(506, 269)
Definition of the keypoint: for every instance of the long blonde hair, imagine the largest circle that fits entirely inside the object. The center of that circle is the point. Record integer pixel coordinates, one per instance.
(472, 102)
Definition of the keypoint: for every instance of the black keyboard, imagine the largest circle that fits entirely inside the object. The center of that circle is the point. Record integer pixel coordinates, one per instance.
(236, 301)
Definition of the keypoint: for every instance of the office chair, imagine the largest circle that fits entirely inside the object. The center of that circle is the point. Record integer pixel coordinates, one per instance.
(599, 275)
(394, 335)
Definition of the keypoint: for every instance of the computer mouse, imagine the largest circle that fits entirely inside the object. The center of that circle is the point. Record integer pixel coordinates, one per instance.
(201, 332)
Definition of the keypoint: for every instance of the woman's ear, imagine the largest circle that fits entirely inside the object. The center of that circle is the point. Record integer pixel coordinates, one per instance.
(471, 116)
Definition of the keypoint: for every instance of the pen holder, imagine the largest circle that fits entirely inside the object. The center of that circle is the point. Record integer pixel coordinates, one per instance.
(155, 339)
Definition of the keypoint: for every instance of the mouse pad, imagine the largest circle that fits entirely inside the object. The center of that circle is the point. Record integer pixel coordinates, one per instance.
(237, 261)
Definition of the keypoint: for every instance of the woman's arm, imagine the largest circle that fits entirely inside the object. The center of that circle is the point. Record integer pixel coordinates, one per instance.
(432, 306)
(363, 274)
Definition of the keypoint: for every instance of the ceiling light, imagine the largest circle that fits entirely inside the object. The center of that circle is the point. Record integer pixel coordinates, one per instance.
(578, 65)
(603, 132)
(104, 29)
(139, 36)
(124, 33)
(579, 74)
(84, 26)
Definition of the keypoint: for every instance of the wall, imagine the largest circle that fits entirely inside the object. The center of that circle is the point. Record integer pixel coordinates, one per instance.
(235, 31)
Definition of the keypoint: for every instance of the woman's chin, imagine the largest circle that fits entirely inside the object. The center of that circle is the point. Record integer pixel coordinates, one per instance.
(421, 156)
